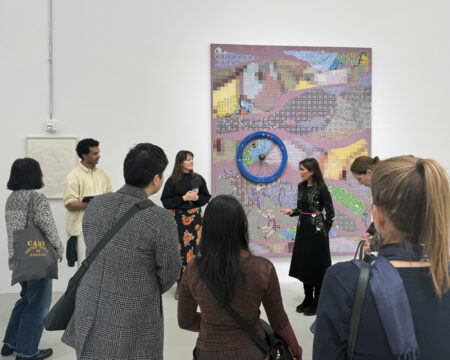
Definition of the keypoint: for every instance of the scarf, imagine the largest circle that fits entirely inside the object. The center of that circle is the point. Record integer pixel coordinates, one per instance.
(391, 300)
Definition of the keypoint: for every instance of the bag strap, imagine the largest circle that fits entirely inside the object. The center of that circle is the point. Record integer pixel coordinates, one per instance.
(358, 303)
(243, 324)
(141, 205)
(359, 253)
(31, 207)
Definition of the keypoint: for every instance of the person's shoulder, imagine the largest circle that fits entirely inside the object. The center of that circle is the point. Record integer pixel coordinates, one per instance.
(197, 175)
(160, 211)
(77, 169)
(159, 216)
(16, 197)
(342, 272)
(322, 187)
(100, 203)
(11, 196)
(261, 263)
(102, 172)
(169, 180)
(74, 173)
(260, 260)
(102, 198)
(40, 197)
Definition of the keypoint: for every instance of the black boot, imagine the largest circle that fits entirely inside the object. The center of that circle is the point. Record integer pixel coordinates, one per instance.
(309, 299)
(6, 350)
(312, 309)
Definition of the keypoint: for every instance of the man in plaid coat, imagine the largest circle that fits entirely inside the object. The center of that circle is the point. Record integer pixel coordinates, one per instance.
(118, 313)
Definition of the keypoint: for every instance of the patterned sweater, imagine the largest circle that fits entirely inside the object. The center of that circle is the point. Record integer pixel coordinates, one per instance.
(16, 210)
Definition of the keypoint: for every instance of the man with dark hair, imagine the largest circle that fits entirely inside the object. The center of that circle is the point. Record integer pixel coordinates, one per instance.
(83, 183)
(118, 313)
(142, 163)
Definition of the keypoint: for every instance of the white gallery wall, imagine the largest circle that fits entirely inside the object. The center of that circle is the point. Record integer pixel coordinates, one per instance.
(138, 70)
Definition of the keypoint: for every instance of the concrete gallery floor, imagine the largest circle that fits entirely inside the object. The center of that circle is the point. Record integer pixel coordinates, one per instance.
(178, 343)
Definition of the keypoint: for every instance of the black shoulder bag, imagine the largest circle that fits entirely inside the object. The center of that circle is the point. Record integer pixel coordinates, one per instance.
(273, 346)
(358, 303)
(60, 314)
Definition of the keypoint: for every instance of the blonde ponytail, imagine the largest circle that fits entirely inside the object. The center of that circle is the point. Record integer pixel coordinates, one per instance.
(415, 196)
(435, 230)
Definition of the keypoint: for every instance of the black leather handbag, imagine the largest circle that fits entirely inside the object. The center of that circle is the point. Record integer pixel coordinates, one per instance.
(278, 348)
(59, 315)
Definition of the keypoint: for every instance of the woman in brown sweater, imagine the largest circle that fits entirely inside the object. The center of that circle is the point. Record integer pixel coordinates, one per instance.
(239, 279)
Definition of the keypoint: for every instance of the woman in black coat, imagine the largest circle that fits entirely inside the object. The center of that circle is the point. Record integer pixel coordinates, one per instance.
(311, 255)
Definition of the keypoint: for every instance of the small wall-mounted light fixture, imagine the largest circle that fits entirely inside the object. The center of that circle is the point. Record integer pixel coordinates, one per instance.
(50, 125)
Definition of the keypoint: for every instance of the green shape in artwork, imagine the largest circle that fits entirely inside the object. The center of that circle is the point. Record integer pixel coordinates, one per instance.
(349, 200)
(288, 234)
(251, 153)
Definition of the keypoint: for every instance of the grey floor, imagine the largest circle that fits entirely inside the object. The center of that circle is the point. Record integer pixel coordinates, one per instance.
(178, 343)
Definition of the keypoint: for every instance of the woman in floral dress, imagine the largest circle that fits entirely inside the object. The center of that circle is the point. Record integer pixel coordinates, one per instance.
(185, 192)
(311, 254)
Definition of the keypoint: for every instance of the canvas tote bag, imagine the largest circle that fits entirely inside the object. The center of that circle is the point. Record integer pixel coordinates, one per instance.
(34, 257)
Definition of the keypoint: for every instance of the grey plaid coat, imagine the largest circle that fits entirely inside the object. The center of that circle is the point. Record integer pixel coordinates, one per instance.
(118, 312)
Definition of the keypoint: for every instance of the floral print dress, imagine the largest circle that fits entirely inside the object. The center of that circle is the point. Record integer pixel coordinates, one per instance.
(188, 214)
(189, 223)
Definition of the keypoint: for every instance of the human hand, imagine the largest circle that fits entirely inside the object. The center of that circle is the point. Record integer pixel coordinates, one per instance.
(190, 196)
(287, 211)
(298, 355)
(367, 238)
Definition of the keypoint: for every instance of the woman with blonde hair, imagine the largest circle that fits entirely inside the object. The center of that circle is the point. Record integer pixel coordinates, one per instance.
(407, 304)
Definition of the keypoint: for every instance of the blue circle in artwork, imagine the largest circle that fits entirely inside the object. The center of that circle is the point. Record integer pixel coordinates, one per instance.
(252, 162)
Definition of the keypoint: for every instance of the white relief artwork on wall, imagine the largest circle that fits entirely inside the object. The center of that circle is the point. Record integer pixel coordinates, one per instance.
(57, 156)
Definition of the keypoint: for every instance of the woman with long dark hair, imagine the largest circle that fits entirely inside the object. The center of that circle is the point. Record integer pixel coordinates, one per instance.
(406, 308)
(311, 254)
(239, 280)
(185, 192)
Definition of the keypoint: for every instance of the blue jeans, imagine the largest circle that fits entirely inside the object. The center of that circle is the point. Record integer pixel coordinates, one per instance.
(26, 323)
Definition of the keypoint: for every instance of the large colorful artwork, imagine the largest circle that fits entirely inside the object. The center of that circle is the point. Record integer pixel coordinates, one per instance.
(273, 106)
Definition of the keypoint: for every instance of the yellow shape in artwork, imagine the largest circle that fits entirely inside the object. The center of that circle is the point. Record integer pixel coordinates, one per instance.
(342, 158)
(363, 58)
(228, 106)
(304, 84)
(225, 99)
